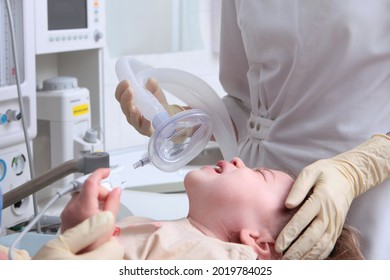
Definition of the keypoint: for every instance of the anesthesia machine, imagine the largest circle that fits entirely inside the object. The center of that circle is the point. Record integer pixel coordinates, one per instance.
(17, 104)
(41, 129)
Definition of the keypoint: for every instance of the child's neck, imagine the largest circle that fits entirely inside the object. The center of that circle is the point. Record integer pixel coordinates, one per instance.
(219, 234)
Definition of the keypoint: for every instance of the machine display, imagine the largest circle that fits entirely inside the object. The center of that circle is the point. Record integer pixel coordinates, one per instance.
(68, 25)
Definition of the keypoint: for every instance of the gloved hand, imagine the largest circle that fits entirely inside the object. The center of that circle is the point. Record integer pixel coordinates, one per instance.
(68, 245)
(124, 94)
(335, 182)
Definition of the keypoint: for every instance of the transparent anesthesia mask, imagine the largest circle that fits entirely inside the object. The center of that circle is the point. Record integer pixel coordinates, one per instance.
(179, 139)
(176, 140)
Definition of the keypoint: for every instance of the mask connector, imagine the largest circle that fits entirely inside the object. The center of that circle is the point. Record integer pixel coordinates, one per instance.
(142, 162)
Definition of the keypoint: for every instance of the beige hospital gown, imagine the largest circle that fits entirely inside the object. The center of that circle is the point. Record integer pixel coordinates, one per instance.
(144, 239)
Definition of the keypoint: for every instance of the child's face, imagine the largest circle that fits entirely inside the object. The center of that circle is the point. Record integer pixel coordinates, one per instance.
(235, 195)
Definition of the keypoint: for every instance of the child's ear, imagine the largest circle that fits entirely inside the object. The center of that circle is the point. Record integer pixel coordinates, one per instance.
(265, 250)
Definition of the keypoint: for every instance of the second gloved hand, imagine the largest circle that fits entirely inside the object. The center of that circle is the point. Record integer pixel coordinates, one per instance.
(70, 244)
(124, 94)
(334, 183)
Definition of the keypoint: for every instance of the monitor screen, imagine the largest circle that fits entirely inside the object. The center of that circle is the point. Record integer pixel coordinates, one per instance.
(67, 14)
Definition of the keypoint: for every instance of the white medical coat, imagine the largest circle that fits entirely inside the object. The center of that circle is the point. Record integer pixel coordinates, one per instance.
(306, 80)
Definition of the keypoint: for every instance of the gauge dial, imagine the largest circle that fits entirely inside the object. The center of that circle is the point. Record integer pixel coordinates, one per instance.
(18, 164)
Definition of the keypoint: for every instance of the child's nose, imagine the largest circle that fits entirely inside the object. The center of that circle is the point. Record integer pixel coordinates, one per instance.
(237, 162)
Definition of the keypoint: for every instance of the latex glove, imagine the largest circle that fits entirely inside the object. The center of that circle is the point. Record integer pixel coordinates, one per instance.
(334, 183)
(18, 254)
(68, 245)
(124, 94)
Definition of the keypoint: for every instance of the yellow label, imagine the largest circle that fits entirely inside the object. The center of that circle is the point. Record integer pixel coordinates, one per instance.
(80, 110)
